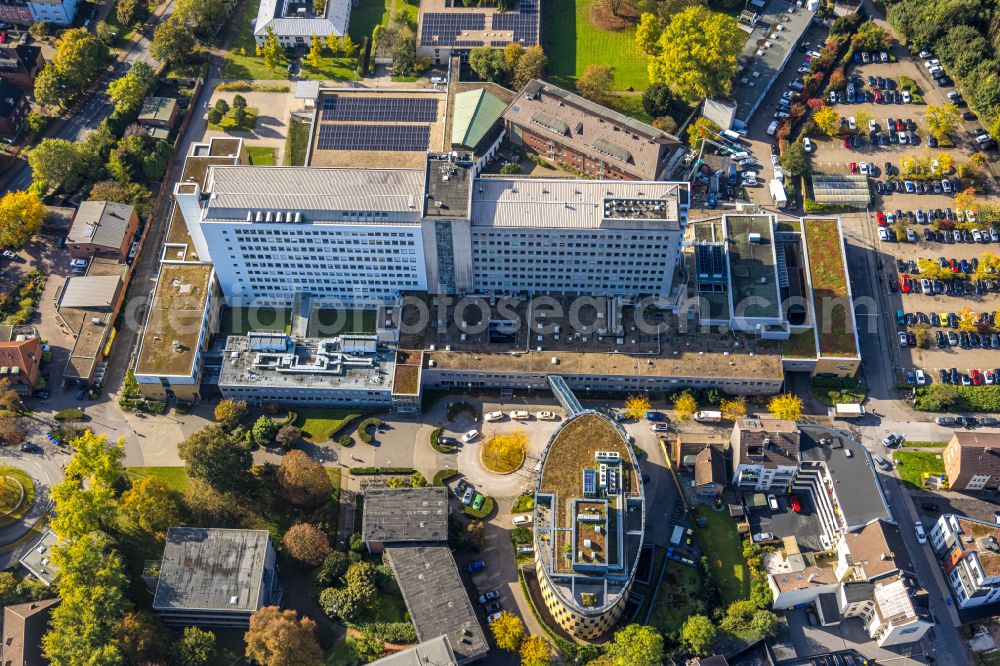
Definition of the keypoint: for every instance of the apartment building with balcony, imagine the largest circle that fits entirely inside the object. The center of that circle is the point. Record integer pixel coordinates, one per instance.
(765, 453)
(969, 550)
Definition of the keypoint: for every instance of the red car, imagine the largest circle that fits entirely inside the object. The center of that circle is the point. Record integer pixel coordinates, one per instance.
(880, 216)
(905, 284)
(878, 97)
(793, 502)
(977, 377)
(847, 142)
(954, 266)
(854, 167)
(3, 37)
(900, 125)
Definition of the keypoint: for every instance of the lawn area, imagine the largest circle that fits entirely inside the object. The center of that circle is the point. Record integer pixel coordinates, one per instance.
(318, 424)
(913, 464)
(924, 445)
(26, 498)
(261, 156)
(829, 286)
(679, 598)
(239, 321)
(249, 66)
(576, 44)
(365, 16)
(721, 544)
(331, 68)
(329, 322)
(229, 123)
(385, 608)
(175, 477)
(297, 143)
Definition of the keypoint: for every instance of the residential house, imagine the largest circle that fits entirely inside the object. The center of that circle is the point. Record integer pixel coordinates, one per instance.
(710, 472)
(972, 461)
(765, 453)
(563, 127)
(20, 357)
(23, 628)
(55, 12)
(159, 115)
(102, 227)
(969, 550)
(20, 63)
(14, 109)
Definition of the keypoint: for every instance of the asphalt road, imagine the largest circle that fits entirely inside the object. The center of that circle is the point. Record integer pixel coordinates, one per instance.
(96, 107)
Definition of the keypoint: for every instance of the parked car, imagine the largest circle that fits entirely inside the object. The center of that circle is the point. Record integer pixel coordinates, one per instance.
(28, 447)
(546, 416)
(772, 502)
(477, 501)
(468, 495)
(487, 597)
(893, 439)
(469, 436)
(475, 567)
(921, 535)
(492, 417)
(795, 504)
(523, 519)
(763, 536)
(461, 487)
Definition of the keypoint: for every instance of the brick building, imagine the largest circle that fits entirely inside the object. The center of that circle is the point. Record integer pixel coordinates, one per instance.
(20, 63)
(15, 11)
(14, 108)
(20, 357)
(972, 461)
(585, 136)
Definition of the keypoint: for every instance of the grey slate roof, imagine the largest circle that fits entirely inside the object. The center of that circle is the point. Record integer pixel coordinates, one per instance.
(394, 515)
(211, 569)
(429, 653)
(101, 223)
(437, 599)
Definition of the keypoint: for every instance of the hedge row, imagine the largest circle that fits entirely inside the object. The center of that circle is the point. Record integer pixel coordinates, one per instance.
(364, 471)
(946, 398)
(363, 433)
(392, 632)
(442, 475)
(440, 448)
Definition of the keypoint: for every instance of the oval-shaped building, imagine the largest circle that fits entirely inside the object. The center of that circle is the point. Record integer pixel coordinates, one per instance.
(589, 521)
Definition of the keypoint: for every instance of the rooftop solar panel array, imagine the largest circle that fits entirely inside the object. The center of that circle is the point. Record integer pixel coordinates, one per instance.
(524, 22)
(448, 26)
(380, 109)
(403, 138)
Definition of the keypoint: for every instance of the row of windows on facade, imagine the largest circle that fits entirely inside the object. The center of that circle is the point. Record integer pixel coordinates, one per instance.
(349, 288)
(618, 379)
(325, 277)
(307, 394)
(575, 267)
(269, 233)
(534, 236)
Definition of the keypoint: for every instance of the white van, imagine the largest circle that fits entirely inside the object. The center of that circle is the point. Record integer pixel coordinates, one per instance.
(520, 415)
(772, 128)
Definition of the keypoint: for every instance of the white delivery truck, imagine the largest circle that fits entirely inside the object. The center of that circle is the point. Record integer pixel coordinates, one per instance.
(708, 417)
(778, 193)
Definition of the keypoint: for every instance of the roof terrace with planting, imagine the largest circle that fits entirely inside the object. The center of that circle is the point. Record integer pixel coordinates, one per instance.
(589, 512)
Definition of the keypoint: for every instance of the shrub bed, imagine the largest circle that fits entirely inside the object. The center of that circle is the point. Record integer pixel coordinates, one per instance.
(363, 433)
(942, 398)
(366, 471)
(70, 414)
(440, 448)
(244, 86)
(455, 409)
(443, 475)
(392, 632)
(346, 440)
(484, 511)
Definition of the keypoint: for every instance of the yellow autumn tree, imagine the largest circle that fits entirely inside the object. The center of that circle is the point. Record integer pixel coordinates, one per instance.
(786, 406)
(507, 631)
(504, 452)
(967, 320)
(685, 405)
(733, 409)
(535, 652)
(827, 119)
(636, 406)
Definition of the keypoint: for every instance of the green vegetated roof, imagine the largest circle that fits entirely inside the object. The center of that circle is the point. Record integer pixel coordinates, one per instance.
(476, 111)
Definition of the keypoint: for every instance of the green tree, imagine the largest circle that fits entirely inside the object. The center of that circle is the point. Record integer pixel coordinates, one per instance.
(827, 120)
(60, 163)
(230, 413)
(215, 455)
(128, 92)
(85, 499)
(151, 504)
(50, 87)
(489, 64)
(341, 603)
(636, 645)
(942, 120)
(367, 646)
(196, 647)
(508, 631)
(795, 159)
(697, 55)
(597, 83)
(871, 37)
(315, 52)
(173, 43)
(83, 628)
(647, 33)
(264, 430)
(214, 117)
(204, 17)
(531, 65)
(701, 128)
(747, 622)
(21, 216)
(79, 59)
(281, 638)
(333, 567)
(657, 100)
(270, 50)
(130, 12)
(698, 634)
(222, 106)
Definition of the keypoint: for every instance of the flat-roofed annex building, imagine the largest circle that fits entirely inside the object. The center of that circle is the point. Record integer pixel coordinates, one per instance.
(404, 515)
(589, 522)
(214, 577)
(602, 143)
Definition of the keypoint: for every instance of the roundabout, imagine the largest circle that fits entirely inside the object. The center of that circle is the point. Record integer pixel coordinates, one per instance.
(504, 453)
(17, 494)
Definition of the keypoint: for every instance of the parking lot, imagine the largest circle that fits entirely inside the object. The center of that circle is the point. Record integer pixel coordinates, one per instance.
(803, 525)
